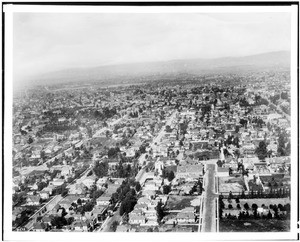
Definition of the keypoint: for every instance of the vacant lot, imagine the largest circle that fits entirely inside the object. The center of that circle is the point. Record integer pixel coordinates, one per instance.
(179, 202)
(233, 184)
(178, 228)
(261, 225)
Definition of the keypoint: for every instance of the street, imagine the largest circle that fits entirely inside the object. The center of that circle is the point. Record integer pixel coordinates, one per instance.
(209, 204)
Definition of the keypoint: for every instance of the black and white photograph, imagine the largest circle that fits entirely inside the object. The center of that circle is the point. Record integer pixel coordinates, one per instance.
(125, 119)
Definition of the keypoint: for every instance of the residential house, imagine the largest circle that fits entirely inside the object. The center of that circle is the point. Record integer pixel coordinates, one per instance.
(66, 171)
(151, 185)
(185, 217)
(33, 200)
(99, 212)
(142, 207)
(144, 200)
(136, 219)
(49, 189)
(89, 181)
(44, 194)
(101, 182)
(103, 200)
(77, 189)
(150, 194)
(80, 226)
(56, 182)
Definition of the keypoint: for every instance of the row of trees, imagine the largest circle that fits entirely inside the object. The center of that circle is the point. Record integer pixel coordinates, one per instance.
(126, 186)
(245, 215)
(272, 193)
(283, 149)
(127, 194)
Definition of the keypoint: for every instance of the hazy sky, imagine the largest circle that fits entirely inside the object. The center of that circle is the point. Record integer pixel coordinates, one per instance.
(45, 42)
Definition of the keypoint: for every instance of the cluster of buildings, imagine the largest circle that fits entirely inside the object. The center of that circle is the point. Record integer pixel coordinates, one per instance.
(161, 136)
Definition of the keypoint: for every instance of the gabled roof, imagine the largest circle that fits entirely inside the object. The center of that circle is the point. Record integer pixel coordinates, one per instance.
(33, 198)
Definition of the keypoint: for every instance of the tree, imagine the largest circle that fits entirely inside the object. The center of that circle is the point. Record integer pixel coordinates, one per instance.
(160, 211)
(269, 216)
(171, 176)
(101, 169)
(261, 150)
(246, 206)
(244, 122)
(282, 150)
(128, 203)
(58, 222)
(114, 226)
(166, 189)
(42, 185)
(112, 152)
(30, 140)
(254, 206)
(42, 154)
(70, 220)
(138, 186)
(168, 129)
(288, 149)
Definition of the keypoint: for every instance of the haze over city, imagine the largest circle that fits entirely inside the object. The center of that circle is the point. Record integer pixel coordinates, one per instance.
(47, 42)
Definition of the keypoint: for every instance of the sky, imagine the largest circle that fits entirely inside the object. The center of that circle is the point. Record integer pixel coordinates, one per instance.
(46, 42)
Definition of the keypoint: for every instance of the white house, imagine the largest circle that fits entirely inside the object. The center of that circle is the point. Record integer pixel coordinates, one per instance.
(136, 219)
(102, 200)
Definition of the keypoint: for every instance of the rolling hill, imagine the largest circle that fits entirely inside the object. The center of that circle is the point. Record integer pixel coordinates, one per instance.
(268, 61)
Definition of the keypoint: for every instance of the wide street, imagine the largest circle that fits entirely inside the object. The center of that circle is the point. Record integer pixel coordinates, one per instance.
(209, 205)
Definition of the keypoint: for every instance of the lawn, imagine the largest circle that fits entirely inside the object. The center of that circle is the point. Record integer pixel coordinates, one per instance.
(261, 225)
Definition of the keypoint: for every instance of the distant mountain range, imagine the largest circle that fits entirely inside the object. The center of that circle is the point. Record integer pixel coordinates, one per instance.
(268, 61)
